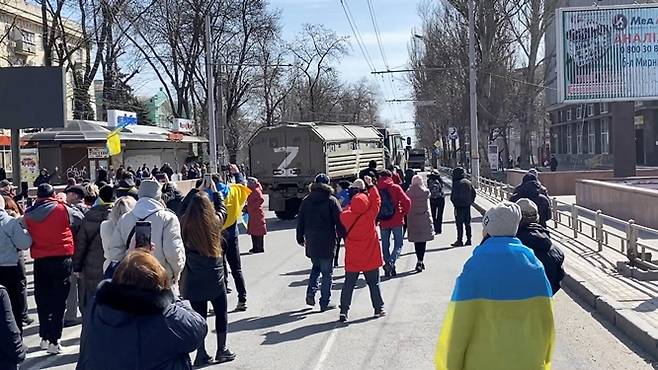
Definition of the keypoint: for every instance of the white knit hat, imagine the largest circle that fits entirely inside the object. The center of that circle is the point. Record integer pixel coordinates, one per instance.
(358, 184)
(502, 220)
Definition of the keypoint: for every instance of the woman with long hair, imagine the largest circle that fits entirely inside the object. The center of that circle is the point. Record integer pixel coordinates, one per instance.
(136, 321)
(419, 219)
(202, 280)
(121, 206)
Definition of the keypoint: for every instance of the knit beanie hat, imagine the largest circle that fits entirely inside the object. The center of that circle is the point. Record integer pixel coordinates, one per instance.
(529, 211)
(150, 189)
(358, 184)
(322, 178)
(106, 193)
(502, 220)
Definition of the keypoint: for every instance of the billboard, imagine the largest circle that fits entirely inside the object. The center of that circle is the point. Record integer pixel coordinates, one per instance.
(32, 97)
(607, 53)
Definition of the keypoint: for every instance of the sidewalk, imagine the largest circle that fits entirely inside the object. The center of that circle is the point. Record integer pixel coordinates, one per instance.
(629, 304)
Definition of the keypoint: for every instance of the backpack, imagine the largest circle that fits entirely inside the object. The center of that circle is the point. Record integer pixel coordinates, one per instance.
(387, 210)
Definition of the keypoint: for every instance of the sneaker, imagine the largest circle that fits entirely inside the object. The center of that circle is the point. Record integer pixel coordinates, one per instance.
(310, 300)
(27, 320)
(422, 264)
(224, 355)
(393, 272)
(468, 242)
(380, 313)
(387, 270)
(70, 323)
(241, 306)
(44, 344)
(54, 349)
(458, 243)
(342, 317)
(203, 359)
(327, 307)
(419, 266)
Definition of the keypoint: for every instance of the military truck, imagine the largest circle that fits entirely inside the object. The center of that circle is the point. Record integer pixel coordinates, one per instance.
(395, 154)
(417, 159)
(287, 156)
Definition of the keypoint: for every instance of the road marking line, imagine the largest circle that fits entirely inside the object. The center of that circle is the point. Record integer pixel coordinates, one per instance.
(327, 348)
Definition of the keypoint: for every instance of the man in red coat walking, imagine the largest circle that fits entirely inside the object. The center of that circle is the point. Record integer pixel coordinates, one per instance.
(395, 205)
(256, 226)
(362, 250)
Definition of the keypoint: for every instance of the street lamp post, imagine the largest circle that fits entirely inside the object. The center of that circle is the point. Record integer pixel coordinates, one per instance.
(475, 156)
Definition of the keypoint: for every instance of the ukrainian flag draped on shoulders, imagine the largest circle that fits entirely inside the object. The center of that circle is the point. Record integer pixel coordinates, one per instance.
(500, 316)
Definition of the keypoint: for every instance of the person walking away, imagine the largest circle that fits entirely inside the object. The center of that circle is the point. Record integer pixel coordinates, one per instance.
(553, 163)
(395, 205)
(120, 207)
(371, 171)
(362, 250)
(344, 197)
(256, 226)
(137, 322)
(165, 232)
(49, 223)
(408, 175)
(88, 257)
(419, 220)
(13, 239)
(396, 177)
(437, 200)
(172, 197)
(102, 178)
(462, 198)
(12, 350)
(531, 188)
(203, 276)
(537, 237)
(318, 224)
(75, 199)
(91, 194)
(500, 315)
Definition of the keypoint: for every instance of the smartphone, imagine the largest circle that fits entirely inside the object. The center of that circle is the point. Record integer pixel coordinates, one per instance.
(143, 234)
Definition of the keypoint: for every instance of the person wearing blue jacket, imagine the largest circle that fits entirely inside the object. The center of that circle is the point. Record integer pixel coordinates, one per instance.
(12, 349)
(136, 322)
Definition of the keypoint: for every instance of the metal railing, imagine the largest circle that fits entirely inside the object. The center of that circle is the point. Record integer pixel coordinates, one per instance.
(597, 227)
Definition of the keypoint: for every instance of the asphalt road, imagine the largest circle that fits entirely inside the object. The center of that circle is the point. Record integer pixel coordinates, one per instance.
(278, 331)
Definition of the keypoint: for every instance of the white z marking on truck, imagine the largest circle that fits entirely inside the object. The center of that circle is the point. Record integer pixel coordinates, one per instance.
(283, 169)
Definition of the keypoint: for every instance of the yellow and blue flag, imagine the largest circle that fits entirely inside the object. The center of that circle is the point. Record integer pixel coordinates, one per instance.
(500, 316)
(114, 139)
(234, 202)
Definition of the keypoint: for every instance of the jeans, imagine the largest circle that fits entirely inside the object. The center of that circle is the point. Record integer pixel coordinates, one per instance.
(372, 279)
(436, 209)
(52, 282)
(325, 267)
(463, 220)
(23, 277)
(398, 237)
(420, 250)
(232, 258)
(338, 240)
(220, 306)
(10, 278)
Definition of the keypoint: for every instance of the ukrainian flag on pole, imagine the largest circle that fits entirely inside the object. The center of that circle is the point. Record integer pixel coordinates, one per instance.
(500, 316)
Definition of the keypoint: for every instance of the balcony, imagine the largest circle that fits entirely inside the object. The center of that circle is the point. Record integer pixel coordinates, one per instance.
(24, 48)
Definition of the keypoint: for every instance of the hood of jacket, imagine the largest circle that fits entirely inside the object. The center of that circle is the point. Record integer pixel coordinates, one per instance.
(128, 301)
(385, 182)
(535, 237)
(457, 174)
(360, 203)
(418, 192)
(98, 213)
(320, 192)
(146, 206)
(41, 209)
(529, 188)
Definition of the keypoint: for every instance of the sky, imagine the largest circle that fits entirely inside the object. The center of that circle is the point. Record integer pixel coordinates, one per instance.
(396, 20)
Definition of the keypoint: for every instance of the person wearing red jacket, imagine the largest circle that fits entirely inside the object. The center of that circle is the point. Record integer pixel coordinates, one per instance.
(256, 226)
(362, 250)
(394, 198)
(49, 223)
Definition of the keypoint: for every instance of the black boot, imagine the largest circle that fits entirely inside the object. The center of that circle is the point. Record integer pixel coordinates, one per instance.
(202, 358)
(223, 353)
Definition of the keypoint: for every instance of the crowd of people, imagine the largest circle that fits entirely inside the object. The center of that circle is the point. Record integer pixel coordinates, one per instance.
(91, 255)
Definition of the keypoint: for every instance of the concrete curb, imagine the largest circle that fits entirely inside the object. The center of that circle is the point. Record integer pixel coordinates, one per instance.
(629, 322)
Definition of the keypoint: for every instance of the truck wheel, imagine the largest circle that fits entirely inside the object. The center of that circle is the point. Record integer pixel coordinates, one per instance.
(292, 207)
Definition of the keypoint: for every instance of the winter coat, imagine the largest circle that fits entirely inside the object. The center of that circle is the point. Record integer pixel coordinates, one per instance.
(363, 252)
(369, 171)
(13, 238)
(435, 184)
(172, 197)
(463, 193)
(49, 223)
(537, 238)
(89, 257)
(203, 277)
(531, 189)
(396, 178)
(106, 231)
(344, 198)
(165, 235)
(419, 220)
(256, 225)
(318, 222)
(400, 200)
(12, 349)
(42, 179)
(129, 328)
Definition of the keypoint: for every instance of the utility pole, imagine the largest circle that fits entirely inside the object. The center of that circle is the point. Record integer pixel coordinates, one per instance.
(212, 132)
(475, 156)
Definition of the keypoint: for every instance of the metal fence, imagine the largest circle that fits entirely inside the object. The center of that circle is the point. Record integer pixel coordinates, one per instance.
(597, 227)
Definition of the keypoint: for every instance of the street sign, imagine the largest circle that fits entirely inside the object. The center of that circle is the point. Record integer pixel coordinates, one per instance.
(183, 125)
(607, 53)
(492, 154)
(437, 144)
(116, 118)
(452, 133)
(97, 153)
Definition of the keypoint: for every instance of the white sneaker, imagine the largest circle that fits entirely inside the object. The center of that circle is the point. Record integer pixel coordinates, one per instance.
(55, 349)
(44, 344)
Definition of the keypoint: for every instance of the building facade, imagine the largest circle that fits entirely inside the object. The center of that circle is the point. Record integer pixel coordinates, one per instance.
(158, 110)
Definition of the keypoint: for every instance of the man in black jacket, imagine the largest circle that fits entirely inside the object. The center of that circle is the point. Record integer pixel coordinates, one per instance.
(532, 189)
(537, 238)
(318, 225)
(462, 198)
(371, 171)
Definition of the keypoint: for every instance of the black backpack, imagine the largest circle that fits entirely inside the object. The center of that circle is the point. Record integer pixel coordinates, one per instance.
(387, 210)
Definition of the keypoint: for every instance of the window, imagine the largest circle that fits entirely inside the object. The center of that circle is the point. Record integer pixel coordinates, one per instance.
(579, 137)
(569, 139)
(604, 108)
(591, 138)
(590, 110)
(28, 37)
(605, 137)
(560, 116)
(579, 112)
(569, 114)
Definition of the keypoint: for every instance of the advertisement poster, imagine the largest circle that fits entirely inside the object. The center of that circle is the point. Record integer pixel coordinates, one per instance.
(29, 165)
(607, 53)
